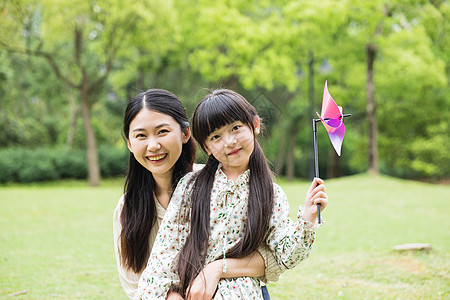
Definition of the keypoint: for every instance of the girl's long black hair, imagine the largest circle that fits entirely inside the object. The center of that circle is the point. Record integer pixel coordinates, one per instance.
(139, 210)
(217, 109)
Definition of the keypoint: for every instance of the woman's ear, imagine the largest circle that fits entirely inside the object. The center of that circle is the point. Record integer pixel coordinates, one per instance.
(257, 124)
(129, 145)
(186, 135)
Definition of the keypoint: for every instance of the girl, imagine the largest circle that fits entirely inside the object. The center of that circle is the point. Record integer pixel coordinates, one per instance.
(158, 136)
(227, 209)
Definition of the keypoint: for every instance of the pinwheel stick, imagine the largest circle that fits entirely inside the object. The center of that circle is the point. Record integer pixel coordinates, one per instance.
(316, 156)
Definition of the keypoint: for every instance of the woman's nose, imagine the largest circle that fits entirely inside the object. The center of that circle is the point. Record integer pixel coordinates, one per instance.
(153, 144)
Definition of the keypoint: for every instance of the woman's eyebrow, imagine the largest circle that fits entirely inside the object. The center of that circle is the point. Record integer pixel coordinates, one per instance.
(157, 127)
(163, 125)
(138, 129)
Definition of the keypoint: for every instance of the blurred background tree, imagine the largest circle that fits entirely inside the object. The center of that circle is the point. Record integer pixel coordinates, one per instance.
(68, 68)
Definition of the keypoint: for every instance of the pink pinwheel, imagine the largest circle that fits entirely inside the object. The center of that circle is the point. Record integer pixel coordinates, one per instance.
(332, 118)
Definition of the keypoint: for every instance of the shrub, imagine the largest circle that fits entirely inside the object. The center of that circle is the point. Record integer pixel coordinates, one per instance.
(46, 163)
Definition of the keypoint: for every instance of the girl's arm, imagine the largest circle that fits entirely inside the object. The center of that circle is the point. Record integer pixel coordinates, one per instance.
(205, 285)
(291, 242)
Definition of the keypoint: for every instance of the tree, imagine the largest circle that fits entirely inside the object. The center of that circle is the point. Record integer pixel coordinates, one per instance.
(80, 41)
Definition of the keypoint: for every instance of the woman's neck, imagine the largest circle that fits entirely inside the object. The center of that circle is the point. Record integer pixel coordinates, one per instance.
(163, 189)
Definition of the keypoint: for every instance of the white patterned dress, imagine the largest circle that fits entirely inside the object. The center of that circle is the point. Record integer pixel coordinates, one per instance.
(291, 242)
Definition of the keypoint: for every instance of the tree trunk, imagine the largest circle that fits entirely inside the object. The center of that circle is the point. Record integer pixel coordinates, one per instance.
(140, 85)
(290, 159)
(371, 110)
(334, 166)
(74, 110)
(91, 144)
(280, 156)
(311, 109)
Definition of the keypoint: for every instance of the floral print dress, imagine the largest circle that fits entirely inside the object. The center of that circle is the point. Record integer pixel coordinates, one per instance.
(291, 242)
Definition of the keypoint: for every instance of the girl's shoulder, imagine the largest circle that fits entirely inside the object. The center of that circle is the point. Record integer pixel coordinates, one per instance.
(279, 192)
(186, 181)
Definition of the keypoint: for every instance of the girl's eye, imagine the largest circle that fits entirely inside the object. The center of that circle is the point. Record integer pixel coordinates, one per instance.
(215, 137)
(236, 127)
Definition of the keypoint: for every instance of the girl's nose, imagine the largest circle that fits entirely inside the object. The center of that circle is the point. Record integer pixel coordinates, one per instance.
(230, 140)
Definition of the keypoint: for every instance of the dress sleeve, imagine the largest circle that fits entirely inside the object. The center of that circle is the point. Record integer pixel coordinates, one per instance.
(160, 274)
(272, 269)
(128, 278)
(291, 242)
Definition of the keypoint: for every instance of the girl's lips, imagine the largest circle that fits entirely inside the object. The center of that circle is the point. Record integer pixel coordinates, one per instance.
(234, 152)
(156, 157)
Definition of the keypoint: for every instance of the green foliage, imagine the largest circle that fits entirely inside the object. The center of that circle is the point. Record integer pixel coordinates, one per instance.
(47, 163)
(254, 47)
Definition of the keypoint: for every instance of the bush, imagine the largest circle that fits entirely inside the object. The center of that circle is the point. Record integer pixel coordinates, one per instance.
(113, 161)
(44, 164)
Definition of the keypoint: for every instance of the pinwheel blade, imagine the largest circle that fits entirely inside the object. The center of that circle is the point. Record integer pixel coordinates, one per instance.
(332, 119)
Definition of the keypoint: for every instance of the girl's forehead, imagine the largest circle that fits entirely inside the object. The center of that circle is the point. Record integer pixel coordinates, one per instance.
(228, 125)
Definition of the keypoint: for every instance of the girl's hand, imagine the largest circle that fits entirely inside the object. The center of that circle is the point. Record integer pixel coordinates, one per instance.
(316, 194)
(205, 284)
(174, 296)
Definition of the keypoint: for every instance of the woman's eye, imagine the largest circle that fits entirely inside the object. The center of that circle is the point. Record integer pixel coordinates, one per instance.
(140, 135)
(162, 131)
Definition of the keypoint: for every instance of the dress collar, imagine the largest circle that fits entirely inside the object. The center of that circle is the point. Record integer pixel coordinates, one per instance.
(221, 178)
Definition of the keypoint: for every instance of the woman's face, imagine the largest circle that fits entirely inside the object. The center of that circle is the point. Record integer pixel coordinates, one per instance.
(156, 141)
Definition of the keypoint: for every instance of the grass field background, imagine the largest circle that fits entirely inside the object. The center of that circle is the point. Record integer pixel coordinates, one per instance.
(56, 241)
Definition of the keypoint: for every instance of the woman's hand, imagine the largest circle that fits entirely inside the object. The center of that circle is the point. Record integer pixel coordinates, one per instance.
(174, 296)
(315, 195)
(205, 284)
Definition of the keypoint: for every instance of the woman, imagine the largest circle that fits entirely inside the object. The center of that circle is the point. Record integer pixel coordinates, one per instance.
(162, 151)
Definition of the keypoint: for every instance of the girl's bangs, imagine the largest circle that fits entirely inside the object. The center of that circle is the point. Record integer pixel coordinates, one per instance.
(219, 112)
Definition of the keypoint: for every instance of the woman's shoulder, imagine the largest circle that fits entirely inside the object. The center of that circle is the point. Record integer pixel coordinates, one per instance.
(197, 167)
(120, 204)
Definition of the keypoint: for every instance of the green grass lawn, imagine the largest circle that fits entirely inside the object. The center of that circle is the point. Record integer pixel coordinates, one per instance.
(56, 242)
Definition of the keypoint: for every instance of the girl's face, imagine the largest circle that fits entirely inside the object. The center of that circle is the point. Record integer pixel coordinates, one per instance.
(232, 145)
(156, 141)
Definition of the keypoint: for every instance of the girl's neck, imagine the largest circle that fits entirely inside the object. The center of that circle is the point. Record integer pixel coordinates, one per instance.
(163, 189)
(233, 174)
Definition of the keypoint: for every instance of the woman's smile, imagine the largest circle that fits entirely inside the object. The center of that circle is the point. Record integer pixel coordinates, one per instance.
(157, 158)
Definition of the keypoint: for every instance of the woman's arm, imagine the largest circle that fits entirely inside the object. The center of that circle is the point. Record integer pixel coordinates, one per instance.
(128, 278)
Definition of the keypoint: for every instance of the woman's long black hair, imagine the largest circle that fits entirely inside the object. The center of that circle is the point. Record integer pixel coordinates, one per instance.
(139, 210)
(218, 109)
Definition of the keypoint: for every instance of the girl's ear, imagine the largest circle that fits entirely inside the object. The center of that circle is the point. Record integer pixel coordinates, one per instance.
(257, 124)
(186, 135)
(207, 151)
